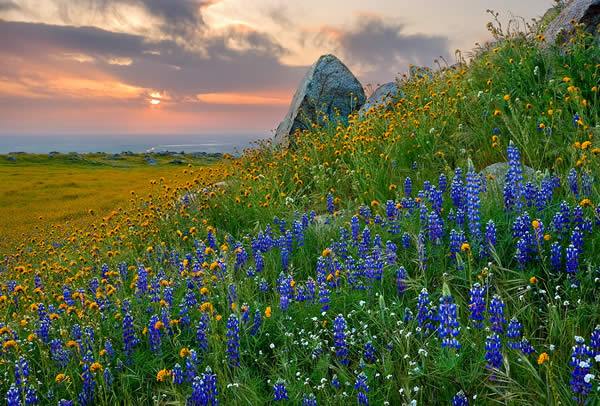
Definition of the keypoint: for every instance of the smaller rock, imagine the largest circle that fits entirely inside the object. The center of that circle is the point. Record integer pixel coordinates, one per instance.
(11, 158)
(176, 162)
(382, 95)
(586, 12)
(498, 172)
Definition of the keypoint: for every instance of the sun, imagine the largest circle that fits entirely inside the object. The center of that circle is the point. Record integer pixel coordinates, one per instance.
(154, 101)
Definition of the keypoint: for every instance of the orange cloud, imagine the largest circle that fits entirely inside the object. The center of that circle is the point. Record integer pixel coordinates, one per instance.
(240, 98)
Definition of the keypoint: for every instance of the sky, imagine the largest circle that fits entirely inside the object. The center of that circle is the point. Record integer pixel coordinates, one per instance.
(210, 66)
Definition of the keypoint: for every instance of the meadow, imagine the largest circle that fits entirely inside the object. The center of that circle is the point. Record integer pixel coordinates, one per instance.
(370, 264)
(39, 191)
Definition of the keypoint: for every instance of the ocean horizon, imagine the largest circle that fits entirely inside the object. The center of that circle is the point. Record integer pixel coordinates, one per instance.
(136, 143)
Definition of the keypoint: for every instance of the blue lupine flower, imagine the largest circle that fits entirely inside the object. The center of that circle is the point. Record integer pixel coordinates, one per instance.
(406, 240)
(407, 187)
(202, 330)
(442, 183)
(177, 374)
(577, 239)
(256, 323)
(233, 340)
(595, 342)
(330, 207)
(279, 391)
(435, 228)
(572, 254)
(573, 182)
(191, 365)
(13, 396)
(473, 189)
(490, 234)
(363, 389)
(309, 400)
(586, 184)
(580, 381)
(496, 312)
(555, 257)
(477, 305)
(142, 282)
(31, 397)
(457, 189)
(493, 355)
(448, 330)
(514, 332)
(339, 335)
(526, 347)
(460, 399)
(324, 297)
(369, 352)
(154, 334)
(130, 339)
(424, 315)
(355, 227)
(401, 281)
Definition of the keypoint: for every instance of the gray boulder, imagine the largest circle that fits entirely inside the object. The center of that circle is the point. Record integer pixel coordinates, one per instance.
(327, 86)
(498, 172)
(586, 12)
(11, 158)
(382, 95)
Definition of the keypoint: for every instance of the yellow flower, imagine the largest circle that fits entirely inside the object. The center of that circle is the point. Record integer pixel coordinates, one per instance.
(162, 375)
(535, 224)
(268, 312)
(158, 325)
(533, 280)
(374, 203)
(497, 113)
(507, 97)
(585, 145)
(465, 247)
(543, 358)
(60, 378)
(184, 352)
(219, 317)
(326, 252)
(585, 202)
(10, 344)
(96, 366)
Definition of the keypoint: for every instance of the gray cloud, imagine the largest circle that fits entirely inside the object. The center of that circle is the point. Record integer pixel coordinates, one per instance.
(384, 48)
(7, 5)
(161, 65)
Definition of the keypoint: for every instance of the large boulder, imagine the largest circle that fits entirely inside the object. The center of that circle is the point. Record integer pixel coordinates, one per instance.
(382, 95)
(327, 87)
(586, 12)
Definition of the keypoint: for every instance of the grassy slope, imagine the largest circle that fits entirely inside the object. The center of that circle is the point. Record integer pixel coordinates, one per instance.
(443, 121)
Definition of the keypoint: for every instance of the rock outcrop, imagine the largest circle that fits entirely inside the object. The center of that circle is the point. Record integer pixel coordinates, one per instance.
(327, 87)
(586, 12)
(498, 173)
(382, 95)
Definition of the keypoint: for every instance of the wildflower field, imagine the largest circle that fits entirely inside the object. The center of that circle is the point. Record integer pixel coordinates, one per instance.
(370, 264)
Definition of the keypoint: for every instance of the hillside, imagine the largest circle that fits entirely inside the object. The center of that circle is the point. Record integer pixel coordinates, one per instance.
(371, 263)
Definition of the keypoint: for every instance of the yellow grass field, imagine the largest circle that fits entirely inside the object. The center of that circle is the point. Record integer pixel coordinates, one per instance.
(37, 192)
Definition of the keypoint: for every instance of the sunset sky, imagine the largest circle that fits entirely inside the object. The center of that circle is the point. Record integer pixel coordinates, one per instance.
(201, 66)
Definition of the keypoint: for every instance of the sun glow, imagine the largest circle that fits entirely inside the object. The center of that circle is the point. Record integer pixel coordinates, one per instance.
(154, 101)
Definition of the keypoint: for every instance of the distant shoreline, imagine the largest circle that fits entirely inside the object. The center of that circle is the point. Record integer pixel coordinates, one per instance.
(137, 144)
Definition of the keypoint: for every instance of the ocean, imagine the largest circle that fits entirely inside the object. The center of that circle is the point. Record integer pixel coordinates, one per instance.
(138, 143)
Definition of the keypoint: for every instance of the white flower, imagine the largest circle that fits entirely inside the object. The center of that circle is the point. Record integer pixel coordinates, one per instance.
(588, 378)
(552, 347)
(416, 389)
(271, 346)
